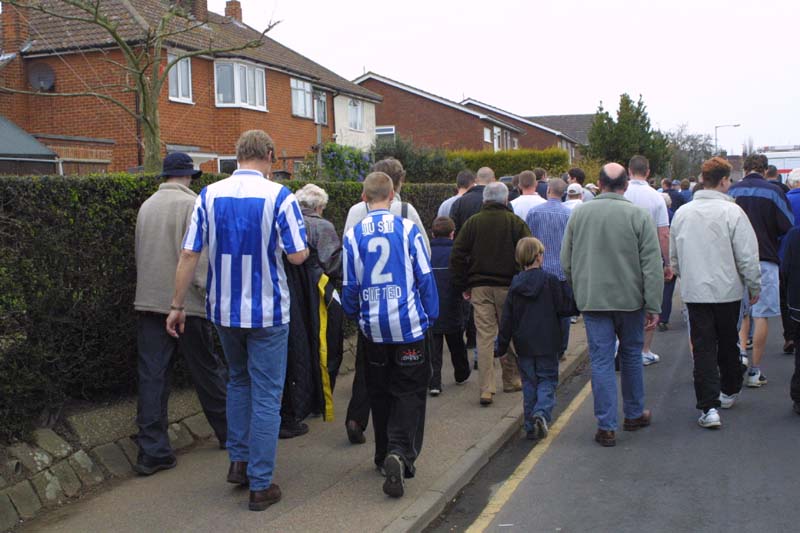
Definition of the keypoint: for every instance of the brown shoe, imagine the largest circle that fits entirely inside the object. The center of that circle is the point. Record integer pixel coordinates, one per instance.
(237, 473)
(606, 438)
(487, 398)
(632, 424)
(261, 499)
(515, 387)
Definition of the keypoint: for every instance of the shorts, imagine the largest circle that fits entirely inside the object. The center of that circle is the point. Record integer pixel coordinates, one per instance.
(769, 302)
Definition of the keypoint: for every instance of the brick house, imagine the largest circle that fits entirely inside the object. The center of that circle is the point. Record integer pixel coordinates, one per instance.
(534, 135)
(206, 105)
(434, 121)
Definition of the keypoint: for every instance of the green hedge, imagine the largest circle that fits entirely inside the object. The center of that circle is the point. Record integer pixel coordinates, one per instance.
(510, 162)
(422, 164)
(67, 283)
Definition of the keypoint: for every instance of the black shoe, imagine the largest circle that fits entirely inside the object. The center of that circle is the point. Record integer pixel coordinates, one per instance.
(237, 473)
(146, 465)
(394, 485)
(475, 365)
(292, 430)
(788, 347)
(662, 326)
(355, 434)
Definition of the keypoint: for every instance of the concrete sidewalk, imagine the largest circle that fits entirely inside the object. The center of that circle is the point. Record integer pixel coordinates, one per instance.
(328, 484)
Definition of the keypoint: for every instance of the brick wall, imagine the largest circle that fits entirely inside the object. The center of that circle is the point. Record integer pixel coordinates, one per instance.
(531, 137)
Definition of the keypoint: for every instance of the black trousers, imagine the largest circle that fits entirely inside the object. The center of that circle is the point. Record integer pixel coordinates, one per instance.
(156, 357)
(790, 327)
(358, 408)
(717, 366)
(458, 356)
(397, 382)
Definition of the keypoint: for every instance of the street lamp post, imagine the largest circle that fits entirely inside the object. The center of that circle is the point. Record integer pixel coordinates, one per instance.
(716, 150)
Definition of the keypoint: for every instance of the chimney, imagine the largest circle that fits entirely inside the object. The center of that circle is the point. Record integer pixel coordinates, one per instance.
(199, 9)
(15, 27)
(233, 9)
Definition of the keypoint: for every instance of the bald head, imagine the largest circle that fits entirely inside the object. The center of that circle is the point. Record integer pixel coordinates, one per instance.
(613, 178)
(484, 176)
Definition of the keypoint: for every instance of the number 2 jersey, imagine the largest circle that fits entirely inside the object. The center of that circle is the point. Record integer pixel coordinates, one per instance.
(388, 282)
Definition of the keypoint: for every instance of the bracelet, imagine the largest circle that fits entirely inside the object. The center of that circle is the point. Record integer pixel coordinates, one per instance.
(177, 308)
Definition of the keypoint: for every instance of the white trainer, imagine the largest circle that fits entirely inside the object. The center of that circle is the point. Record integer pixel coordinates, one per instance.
(744, 360)
(650, 358)
(710, 419)
(755, 380)
(727, 401)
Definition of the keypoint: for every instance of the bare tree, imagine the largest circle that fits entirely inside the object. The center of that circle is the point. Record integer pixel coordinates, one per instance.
(146, 66)
(688, 151)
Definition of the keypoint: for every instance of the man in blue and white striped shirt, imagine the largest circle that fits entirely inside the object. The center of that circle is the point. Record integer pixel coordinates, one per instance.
(389, 288)
(247, 222)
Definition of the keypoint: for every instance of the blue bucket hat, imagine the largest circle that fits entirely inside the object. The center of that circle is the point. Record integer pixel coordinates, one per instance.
(179, 164)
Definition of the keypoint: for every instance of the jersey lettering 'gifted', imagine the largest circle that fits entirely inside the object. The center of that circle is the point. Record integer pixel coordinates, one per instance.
(388, 283)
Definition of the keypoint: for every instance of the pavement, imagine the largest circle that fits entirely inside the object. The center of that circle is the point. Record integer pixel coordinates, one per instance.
(328, 484)
(673, 476)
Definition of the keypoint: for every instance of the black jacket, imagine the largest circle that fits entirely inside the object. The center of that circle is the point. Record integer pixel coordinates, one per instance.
(466, 206)
(534, 306)
(451, 304)
(790, 267)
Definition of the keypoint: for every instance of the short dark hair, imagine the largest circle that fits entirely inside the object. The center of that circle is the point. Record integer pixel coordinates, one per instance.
(772, 171)
(578, 174)
(685, 184)
(756, 163)
(639, 166)
(714, 170)
(465, 179)
(393, 168)
(612, 184)
(443, 227)
(540, 173)
(527, 179)
(515, 180)
(666, 183)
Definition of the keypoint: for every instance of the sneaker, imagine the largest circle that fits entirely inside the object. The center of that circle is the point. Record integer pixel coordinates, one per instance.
(663, 326)
(146, 465)
(727, 401)
(435, 391)
(394, 484)
(650, 358)
(462, 381)
(755, 380)
(573, 320)
(539, 427)
(710, 419)
(744, 360)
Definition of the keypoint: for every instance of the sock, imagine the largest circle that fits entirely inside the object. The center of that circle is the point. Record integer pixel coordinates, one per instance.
(754, 370)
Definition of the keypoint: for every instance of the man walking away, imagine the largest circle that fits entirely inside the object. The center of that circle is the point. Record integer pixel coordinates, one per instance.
(247, 222)
(464, 182)
(713, 249)
(674, 196)
(577, 175)
(771, 217)
(611, 258)
(470, 203)
(389, 288)
(529, 197)
(160, 225)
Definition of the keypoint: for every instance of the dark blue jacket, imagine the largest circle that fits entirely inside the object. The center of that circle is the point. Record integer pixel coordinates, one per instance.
(452, 318)
(768, 210)
(791, 269)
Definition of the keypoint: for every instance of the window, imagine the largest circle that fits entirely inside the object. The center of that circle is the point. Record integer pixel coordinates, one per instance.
(320, 107)
(356, 115)
(384, 133)
(240, 85)
(180, 80)
(301, 98)
(496, 132)
(515, 143)
(487, 135)
(227, 165)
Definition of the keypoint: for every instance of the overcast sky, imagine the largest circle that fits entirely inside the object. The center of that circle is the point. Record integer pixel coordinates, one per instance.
(699, 62)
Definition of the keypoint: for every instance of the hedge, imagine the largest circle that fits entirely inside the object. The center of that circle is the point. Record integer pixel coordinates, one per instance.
(510, 162)
(67, 283)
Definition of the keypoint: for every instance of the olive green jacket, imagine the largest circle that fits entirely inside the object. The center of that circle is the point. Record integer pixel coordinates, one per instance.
(612, 258)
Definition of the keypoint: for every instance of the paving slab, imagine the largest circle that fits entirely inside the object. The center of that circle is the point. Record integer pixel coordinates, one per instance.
(67, 478)
(179, 436)
(88, 472)
(130, 449)
(32, 458)
(198, 426)
(24, 499)
(49, 441)
(48, 487)
(113, 459)
(8, 515)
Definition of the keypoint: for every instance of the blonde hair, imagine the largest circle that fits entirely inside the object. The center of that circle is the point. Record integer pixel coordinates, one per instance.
(528, 249)
(312, 196)
(255, 145)
(377, 187)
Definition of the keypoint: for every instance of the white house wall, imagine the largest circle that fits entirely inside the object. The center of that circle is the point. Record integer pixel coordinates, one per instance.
(346, 136)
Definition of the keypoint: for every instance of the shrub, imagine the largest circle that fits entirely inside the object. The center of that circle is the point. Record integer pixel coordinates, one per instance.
(67, 284)
(339, 163)
(510, 162)
(422, 165)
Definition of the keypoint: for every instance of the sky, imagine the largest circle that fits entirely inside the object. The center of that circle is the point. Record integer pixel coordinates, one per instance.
(702, 63)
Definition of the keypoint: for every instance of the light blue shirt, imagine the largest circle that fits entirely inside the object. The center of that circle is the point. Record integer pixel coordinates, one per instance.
(548, 223)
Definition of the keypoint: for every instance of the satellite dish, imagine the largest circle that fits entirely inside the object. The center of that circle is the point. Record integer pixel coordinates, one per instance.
(41, 76)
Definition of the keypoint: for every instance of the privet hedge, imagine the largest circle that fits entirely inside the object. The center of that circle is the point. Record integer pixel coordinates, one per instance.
(67, 284)
(510, 162)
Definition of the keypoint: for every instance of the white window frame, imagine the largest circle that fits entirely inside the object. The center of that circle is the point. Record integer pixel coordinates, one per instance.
(222, 158)
(385, 131)
(353, 104)
(176, 71)
(302, 89)
(320, 99)
(259, 74)
(496, 133)
(487, 135)
(514, 143)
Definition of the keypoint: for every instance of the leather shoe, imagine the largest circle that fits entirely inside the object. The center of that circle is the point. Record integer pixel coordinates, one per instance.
(237, 473)
(146, 465)
(606, 438)
(291, 430)
(632, 424)
(261, 499)
(354, 432)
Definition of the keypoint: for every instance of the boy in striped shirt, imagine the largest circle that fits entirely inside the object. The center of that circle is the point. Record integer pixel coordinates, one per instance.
(390, 290)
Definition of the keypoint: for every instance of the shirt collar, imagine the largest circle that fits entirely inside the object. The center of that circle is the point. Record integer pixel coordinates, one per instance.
(709, 194)
(247, 172)
(176, 187)
(611, 196)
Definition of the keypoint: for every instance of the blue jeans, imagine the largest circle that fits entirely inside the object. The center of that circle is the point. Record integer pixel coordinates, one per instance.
(257, 370)
(539, 380)
(602, 330)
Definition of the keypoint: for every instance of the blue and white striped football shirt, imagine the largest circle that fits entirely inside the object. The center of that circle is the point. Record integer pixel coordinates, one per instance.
(388, 282)
(247, 222)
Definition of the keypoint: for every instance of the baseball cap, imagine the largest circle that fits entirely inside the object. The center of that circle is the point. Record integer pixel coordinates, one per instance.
(179, 164)
(574, 188)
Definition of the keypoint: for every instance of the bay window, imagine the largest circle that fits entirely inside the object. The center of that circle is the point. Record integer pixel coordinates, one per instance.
(240, 85)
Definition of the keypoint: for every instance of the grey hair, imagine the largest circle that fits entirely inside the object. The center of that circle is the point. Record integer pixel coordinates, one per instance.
(793, 179)
(312, 196)
(495, 192)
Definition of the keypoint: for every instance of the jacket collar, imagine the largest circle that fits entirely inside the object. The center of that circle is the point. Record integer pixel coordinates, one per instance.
(176, 187)
(494, 206)
(707, 194)
(248, 172)
(611, 196)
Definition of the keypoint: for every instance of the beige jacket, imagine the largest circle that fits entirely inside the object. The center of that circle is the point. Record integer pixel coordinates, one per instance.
(160, 226)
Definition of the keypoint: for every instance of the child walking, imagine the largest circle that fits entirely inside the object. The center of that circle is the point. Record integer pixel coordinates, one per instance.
(531, 320)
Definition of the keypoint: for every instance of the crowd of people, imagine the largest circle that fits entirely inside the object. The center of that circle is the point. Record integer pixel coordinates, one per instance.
(504, 273)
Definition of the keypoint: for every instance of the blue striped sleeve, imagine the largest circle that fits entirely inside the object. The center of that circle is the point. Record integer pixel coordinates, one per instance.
(197, 234)
(350, 284)
(289, 219)
(426, 284)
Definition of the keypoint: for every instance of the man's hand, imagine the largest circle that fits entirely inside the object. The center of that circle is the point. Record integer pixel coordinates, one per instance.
(753, 300)
(668, 274)
(467, 294)
(176, 321)
(651, 321)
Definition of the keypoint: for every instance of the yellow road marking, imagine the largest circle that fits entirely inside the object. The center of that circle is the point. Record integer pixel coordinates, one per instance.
(528, 464)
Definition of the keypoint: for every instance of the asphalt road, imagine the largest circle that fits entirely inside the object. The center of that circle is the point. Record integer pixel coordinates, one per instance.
(673, 476)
